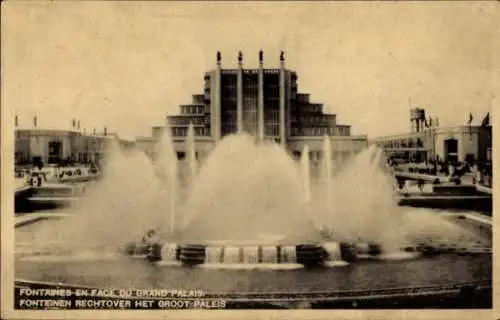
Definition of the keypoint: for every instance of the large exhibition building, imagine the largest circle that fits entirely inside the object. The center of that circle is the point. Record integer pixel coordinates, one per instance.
(54, 146)
(264, 102)
(428, 141)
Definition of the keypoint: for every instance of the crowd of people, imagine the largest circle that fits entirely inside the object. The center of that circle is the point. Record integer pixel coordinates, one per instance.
(481, 171)
(37, 172)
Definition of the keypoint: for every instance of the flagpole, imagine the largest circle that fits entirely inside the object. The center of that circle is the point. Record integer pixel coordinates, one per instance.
(16, 125)
(470, 123)
(409, 110)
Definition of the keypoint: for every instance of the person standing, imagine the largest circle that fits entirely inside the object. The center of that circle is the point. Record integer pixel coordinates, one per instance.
(421, 185)
(474, 170)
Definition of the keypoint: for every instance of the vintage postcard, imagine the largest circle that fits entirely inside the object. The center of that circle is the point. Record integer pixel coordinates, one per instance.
(248, 159)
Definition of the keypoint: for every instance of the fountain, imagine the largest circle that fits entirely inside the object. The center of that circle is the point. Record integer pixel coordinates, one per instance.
(372, 208)
(123, 205)
(333, 254)
(251, 207)
(259, 182)
(208, 213)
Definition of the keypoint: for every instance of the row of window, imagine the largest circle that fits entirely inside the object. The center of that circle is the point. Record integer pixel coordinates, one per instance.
(269, 91)
(22, 157)
(228, 92)
(272, 116)
(302, 97)
(271, 71)
(320, 131)
(85, 157)
(250, 71)
(272, 129)
(316, 108)
(250, 91)
(318, 155)
(182, 132)
(250, 104)
(272, 92)
(316, 120)
(187, 109)
(402, 143)
(185, 121)
(251, 80)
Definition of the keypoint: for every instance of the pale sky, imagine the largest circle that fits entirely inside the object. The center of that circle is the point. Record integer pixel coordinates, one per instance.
(126, 64)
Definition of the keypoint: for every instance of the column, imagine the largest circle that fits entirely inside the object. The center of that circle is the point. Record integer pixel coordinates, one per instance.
(287, 104)
(282, 100)
(239, 94)
(261, 96)
(215, 87)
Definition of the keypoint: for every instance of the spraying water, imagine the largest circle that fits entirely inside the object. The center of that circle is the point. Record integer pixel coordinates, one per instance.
(306, 174)
(191, 154)
(165, 164)
(124, 204)
(327, 164)
(371, 208)
(246, 191)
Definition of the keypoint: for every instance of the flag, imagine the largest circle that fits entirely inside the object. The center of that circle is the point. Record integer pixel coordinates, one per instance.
(78, 125)
(34, 121)
(470, 118)
(73, 123)
(486, 120)
(105, 131)
(16, 121)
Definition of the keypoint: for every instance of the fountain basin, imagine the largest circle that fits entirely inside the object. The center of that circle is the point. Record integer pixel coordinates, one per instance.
(245, 256)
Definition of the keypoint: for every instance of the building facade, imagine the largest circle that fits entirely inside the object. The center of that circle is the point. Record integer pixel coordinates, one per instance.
(55, 146)
(428, 141)
(264, 102)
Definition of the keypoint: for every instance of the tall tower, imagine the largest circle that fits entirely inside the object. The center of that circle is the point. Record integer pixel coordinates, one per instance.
(417, 119)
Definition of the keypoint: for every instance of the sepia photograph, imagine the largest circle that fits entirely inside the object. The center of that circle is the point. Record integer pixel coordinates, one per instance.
(197, 157)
